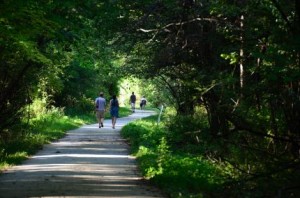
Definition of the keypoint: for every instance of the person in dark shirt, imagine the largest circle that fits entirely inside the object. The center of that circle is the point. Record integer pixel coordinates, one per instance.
(114, 110)
(132, 102)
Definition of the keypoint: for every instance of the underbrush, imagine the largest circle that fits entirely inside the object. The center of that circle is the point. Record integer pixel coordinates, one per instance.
(181, 157)
(164, 162)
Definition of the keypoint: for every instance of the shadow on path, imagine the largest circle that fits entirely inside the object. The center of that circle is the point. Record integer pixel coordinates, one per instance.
(87, 162)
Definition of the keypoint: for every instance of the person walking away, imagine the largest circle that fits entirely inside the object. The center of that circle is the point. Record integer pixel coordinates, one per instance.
(132, 102)
(100, 104)
(114, 110)
(143, 102)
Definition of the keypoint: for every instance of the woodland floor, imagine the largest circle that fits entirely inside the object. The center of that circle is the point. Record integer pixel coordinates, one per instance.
(87, 162)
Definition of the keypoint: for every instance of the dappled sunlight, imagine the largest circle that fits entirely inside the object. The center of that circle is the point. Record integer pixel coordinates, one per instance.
(79, 169)
(80, 156)
(87, 162)
(90, 126)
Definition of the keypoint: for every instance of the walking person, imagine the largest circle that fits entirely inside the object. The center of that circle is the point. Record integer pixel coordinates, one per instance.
(132, 102)
(100, 104)
(114, 110)
(143, 102)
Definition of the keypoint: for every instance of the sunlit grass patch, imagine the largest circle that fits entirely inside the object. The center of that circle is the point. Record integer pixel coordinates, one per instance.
(142, 133)
(12, 159)
(187, 175)
(177, 172)
(124, 111)
(39, 131)
(16, 158)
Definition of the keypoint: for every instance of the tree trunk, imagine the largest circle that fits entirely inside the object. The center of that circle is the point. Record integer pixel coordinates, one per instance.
(216, 115)
(242, 52)
(185, 108)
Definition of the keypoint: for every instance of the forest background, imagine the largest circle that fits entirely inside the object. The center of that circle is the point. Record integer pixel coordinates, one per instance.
(229, 69)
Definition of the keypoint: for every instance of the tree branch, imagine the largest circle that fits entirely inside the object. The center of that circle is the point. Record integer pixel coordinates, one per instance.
(176, 24)
(284, 17)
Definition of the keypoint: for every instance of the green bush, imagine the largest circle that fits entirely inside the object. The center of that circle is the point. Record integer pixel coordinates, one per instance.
(177, 172)
(186, 130)
(142, 133)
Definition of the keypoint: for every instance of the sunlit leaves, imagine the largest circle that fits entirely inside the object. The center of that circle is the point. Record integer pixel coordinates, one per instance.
(232, 57)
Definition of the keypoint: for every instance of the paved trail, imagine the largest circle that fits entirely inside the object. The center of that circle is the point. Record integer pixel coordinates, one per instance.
(87, 162)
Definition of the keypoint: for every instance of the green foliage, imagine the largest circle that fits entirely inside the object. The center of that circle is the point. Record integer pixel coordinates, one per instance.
(52, 51)
(233, 57)
(186, 129)
(28, 67)
(46, 127)
(134, 131)
(178, 173)
(123, 112)
(219, 55)
(185, 176)
(198, 164)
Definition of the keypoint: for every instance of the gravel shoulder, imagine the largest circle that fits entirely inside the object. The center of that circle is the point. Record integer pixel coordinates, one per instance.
(87, 162)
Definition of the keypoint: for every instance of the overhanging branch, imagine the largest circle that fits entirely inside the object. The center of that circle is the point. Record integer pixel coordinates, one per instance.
(165, 28)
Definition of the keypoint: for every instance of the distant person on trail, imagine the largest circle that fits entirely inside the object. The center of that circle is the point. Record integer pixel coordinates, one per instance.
(114, 110)
(132, 102)
(143, 102)
(100, 104)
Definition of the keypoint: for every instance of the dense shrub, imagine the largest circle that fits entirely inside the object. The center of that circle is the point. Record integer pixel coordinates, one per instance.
(178, 173)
